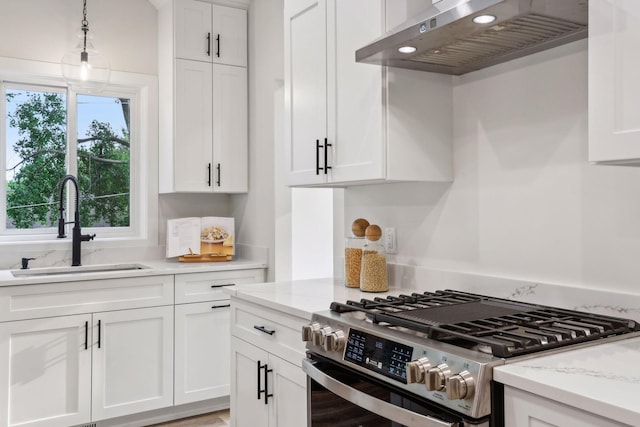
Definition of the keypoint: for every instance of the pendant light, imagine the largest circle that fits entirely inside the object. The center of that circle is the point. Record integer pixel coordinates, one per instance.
(84, 68)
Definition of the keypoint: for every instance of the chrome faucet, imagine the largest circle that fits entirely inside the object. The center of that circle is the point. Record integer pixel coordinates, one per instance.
(77, 235)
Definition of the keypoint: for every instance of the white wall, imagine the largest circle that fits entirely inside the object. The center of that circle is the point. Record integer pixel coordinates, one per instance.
(255, 211)
(44, 30)
(525, 203)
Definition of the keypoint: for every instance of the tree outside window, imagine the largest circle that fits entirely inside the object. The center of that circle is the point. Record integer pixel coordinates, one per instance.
(37, 157)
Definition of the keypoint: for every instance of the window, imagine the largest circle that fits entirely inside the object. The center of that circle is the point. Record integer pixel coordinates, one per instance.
(115, 159)
(52, 131)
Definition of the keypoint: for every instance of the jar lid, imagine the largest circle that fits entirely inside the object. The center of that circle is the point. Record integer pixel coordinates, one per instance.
(359, 226)
(373, 232)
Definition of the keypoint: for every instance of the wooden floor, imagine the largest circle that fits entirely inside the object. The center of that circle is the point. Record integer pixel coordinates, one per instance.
(217, 419)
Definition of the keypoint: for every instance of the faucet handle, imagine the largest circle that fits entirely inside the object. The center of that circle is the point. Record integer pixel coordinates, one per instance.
(87, 237)
(25, 263)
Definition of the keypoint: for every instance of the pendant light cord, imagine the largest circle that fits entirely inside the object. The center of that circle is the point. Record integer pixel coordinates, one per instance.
(85, 25)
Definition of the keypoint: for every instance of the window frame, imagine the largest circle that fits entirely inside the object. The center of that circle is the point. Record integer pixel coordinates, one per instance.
(141, 90)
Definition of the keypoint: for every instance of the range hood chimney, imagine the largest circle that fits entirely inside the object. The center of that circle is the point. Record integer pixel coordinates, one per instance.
(447, 40)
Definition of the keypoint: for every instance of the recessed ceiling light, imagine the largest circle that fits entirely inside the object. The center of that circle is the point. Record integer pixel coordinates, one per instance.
(484, 19)
(406, 49)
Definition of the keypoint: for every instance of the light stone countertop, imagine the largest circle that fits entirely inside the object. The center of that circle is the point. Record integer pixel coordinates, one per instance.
(155, 268)
(302, 297)
(602, 379)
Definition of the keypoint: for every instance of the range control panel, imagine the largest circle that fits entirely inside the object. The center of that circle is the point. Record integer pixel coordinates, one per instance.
(378, 354)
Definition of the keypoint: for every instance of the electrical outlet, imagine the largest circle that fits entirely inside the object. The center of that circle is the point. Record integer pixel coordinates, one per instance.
(390, 240)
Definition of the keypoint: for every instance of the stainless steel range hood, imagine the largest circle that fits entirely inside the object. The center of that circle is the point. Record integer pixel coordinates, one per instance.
(448, 41)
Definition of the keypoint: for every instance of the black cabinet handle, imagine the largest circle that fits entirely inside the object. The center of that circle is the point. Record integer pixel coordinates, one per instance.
(318, 157)
(218, 47)
(263, 329)
(86, 335)
(267, 395)
(218, 170)
(209, 172)
(99, 332)
(326, 165)
(221, 306)
(208, 44)
(266, 383)
(259, 368)
(221, 286)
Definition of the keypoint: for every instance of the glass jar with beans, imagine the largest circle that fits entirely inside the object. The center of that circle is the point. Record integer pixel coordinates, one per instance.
(353, 253)
(373, 272)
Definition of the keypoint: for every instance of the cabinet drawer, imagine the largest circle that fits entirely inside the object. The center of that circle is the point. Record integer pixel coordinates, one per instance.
(197, 287)
(57, 299)
(277, 332)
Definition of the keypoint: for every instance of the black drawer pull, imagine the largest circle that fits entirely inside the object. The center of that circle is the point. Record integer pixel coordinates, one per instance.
(221, 306)
(263, 329)
(222, 286)
(86, 335)
(208, 44)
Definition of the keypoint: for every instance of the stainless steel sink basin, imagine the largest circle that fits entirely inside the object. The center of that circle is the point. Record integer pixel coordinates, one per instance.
(101, 268)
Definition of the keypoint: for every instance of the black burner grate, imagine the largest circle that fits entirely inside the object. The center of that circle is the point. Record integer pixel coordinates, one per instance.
(507, 328)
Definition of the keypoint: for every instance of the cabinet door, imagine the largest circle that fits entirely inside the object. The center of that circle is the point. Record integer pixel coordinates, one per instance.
(230, 129)
(523, 409)
(289, 407)
(355, 101)
(192, 26)
(229, 37)
(247, 403)
(45, 380)
(193, 152)
(614, 87)
(132, 361)
(202, 350)
(305, 88)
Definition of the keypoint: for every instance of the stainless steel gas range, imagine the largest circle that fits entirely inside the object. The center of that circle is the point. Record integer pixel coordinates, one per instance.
(427, 359)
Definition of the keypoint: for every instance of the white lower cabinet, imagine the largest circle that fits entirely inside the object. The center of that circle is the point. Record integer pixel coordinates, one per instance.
(266, 389)
(74, 369)
(81, 352)
(45, 380)
(524, 409)
(268, 385)
(202, 351)
(132, 361)
(202, 332)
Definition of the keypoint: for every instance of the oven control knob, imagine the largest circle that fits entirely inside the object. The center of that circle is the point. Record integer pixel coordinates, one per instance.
(460, 386)
(307, 331)
(417, 369)
(320, 334)
(437, 377)
(334, 341)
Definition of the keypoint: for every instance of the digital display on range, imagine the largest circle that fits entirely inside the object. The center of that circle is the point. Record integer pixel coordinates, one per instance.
(378, 354)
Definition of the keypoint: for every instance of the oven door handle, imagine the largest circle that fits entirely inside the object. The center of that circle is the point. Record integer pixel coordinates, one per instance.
(371, 404)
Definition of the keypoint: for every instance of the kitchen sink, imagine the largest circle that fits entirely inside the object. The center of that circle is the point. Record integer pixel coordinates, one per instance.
(100, 268)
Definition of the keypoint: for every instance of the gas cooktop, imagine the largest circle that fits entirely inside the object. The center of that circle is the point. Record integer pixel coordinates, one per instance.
(501, 327)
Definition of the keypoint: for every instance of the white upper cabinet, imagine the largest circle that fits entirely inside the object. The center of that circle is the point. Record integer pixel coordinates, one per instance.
(211, 33)
(202, 59)
(193, 23)
(305, 76)
(229, 36)
(349, 123)
(614, 87)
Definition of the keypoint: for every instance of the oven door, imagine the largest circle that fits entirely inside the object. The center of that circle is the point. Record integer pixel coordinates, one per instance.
(338, 396)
